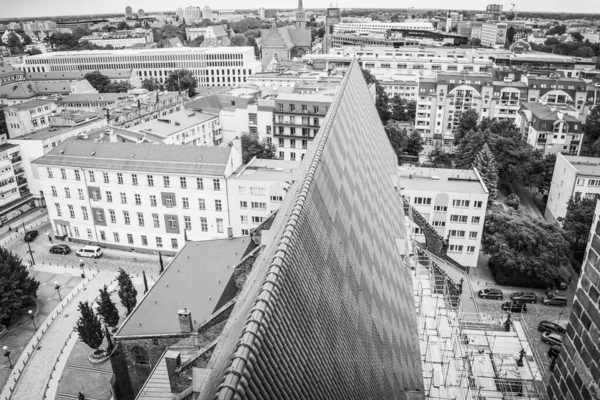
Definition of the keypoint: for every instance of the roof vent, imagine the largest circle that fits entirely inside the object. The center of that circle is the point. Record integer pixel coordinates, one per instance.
(62, 152)
(132, 155)
(93, 153)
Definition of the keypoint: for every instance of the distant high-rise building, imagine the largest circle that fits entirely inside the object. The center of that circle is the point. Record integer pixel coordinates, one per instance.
(494, 10)
(261, 13)
(300, 16)
(207, 13)
(141, 13)
(128, 12)
(332, 17)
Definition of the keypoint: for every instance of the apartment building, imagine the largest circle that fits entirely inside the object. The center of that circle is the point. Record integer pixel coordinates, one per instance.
(493, 34)
(29, 116)
(454, 202)
(184, 127)
(297, 119)
(256, 190)
(151, 197)
(120, 39)
(574, 176)
(190, 14)
(379, 27)
(212, 66)
(15, 197)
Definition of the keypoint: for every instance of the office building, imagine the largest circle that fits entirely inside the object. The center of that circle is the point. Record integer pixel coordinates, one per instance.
(379, 27)
(120, 39)
(577, 371)
(218, 66)
(574, 176)
(15, 197)
(493, 34)
(29, 116)
(99, 192)
(332, 18)
(184, 127)
(453, 202)
(495, 10)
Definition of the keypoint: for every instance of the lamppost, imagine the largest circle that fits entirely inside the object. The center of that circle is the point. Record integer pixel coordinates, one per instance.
(57, 287)
(7, 355)
(32, 318)
(81, 265)
(28, 245)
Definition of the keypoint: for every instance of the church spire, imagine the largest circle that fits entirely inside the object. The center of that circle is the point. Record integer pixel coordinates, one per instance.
(300, 16)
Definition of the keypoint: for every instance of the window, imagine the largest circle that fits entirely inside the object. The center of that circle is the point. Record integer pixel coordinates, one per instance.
(218, 205)
(71, 211)
(188, 223)
(277, 199)
(96, 194)
(76, 230)
(85, 212)
(186, 202)
(92, 177)
(478, 204)
(155, 220)
(116, 237)
(77, 175)
(594, 182)
(150, 180)
(129, 238)
(455, 248)
(126, 216)
(172, 223)
(219, 225)
(140, 219)
(439, 223)
(113, 216)
(203, 224)
(201, 204)
(216, 185)
(103, 236)
(257, 220)
(200, 183)
(257, 190)
(460, 203)
(455, 233)
(459, 218)
(58, 211)
(67, 193)
(475, 220)
(54, 192)
(166, 181)
(120, 182)
(470, 249)
(169, 201)
(183, 182)
(174, 244)
(472, 235)
(159, 242)
(105, 175)
(152, 200)
(245, 232)
(244, 219)
(89, 234)
(144, 241)
(258, 206)
(99, 216)
(134, 180)
(109, 196)
(242, 189)
(63, 173)
(50, 175)
(80, 193)
(423, 200)
(580, 182)
(123, 198)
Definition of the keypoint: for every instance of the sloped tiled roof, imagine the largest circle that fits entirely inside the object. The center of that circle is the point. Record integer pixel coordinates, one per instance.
(327, 311)
(7, 70)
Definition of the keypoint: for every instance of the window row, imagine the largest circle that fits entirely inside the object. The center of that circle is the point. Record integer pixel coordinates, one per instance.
(458, 248)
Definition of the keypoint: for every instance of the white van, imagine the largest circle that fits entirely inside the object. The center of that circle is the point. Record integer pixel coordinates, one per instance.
(89, 251)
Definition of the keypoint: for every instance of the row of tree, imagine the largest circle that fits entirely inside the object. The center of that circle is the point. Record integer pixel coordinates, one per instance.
(102, 83)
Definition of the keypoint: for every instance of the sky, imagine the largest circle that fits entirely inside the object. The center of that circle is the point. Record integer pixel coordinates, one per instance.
(38, 8)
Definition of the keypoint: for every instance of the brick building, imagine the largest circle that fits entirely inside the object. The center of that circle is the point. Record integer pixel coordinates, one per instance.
(577, 372)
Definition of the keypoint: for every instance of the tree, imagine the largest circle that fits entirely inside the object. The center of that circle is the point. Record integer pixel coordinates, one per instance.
(403, 109)
(470, 145)
(33, 51)
(524, 251)
(81, 396)
(415, 143)
(591, 128)
(182, 79)
(197, 42)
(152, 84)
(398, 138)
(577, 36)
(253, 147)
(539, 174)
(97, 80)
(117, 87)
(17, 289)
(510, 35)
(438, 158)
(127, 292)
(578, 220)
(14, 41)
(476, 42)
(237, 40)
(513, 201)
(107, 309)
(557, 30)
(3, 127)
(485, 163)
(122, 25)
(468, 122)
(88, 326)
(382, 102)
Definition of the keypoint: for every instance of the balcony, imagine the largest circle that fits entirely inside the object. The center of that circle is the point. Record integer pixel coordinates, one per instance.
(541, 140)
(15, 159)
(21, 181)
(19, 171)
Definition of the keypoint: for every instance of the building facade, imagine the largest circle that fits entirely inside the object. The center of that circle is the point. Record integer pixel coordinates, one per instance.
(15, 197)
(120, 39)
(149, 197)
(379, 27)
(184, 127)
(216, 33)
(29, 116)
(493, 34)
(191, 14)
(577, 177)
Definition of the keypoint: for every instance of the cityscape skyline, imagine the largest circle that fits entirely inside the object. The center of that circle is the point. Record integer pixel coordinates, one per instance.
(39, 8)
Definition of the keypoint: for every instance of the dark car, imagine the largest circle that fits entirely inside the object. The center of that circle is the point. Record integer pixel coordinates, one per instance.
(552, 338)
(524, 297)
(30, 235)
(560, 284)
(60, 249)
(554, 351)
(491, 294)
(555, 301)
(547, 326)
(514, 307)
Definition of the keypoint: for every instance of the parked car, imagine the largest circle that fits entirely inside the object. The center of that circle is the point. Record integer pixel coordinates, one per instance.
(552, 338)
(554, 351)
(560, 284)
(514, 307)
(491, 293)
(30, 235)
(547, 326)
(555, 300)
(524, 297)
(60, 249)
(89, 251)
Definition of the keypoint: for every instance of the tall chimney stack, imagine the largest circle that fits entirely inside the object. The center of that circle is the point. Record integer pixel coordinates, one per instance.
(185, 321)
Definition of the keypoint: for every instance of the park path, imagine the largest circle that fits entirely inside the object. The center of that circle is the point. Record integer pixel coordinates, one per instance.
(33, 381)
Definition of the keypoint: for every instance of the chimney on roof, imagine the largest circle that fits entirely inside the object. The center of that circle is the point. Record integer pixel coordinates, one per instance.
(173, 363)
(185, 320)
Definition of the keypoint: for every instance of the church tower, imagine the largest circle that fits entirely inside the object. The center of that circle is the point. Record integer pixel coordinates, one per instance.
(300, 16)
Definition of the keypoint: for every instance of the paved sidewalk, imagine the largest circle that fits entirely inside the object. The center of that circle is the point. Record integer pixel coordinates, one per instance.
(36, 375)
(29, 218)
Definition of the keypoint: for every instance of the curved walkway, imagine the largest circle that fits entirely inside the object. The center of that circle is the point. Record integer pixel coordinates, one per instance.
(33, 381)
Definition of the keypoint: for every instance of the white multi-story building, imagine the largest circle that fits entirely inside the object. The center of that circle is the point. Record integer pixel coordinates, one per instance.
(15, 197)
(120, 39)
(150, 197)
(380, 27)
(493, 34)
(214, 66)
(256, 190)
(454, 202)
(190, 14)
(577, 177)
(29, 116)
(184, 127)
(207, 13)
